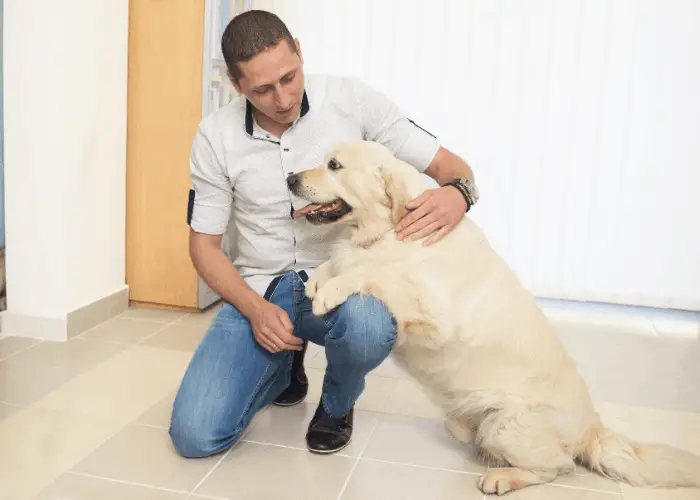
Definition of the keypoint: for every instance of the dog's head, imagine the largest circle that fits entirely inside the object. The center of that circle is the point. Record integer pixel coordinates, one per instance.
(359, 182)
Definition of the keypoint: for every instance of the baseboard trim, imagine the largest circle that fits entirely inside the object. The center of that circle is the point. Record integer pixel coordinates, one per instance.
(74, 323)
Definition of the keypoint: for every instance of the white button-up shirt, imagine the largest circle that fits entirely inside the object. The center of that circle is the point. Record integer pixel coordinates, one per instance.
(239, 172)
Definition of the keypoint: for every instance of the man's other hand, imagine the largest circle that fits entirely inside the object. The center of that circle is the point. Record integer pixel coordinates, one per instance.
(435, 211)
(273, 330)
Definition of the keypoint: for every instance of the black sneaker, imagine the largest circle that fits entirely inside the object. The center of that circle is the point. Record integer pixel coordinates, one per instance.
(298, 388)
(327, 434)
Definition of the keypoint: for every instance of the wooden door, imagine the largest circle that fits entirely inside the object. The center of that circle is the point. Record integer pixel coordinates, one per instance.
(164, 109)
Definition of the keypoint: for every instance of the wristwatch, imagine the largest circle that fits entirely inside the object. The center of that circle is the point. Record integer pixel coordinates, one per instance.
(467, 189)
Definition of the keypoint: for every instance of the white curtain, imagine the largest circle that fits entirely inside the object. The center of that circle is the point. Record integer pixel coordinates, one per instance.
(581, 119)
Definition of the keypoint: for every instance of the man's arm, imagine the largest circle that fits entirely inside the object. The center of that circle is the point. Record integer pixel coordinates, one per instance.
(219, 273)
(208, 213)
(437, 211)
(447, 166)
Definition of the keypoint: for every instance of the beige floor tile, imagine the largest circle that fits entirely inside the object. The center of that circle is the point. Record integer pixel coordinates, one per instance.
(145, 455)
(260, 472)
(377, 391)
(404, 482)
(588, 481)
(417, 441)
(287, 427)
(162, 315)
(25, 383)
(159, 414)
(13, 345)
(548, 492)
(73, 356)
(410, 399)
(631, 493)
(123, 387)
(38, 445)
(178, 337)
(7, 410)
(76, 487)
(202, 319)
(123, 331)
(315, 358)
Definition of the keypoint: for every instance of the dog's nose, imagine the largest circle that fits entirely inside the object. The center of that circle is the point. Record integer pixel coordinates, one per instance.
(292, 180)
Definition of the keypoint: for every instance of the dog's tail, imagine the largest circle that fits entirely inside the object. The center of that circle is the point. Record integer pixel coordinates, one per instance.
(643, 465)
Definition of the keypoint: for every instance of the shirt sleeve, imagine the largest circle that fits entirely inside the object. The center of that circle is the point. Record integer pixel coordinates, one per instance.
(211, 194)
(384, 122)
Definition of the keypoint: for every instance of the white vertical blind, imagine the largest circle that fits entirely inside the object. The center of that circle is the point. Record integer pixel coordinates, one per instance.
(581, 119)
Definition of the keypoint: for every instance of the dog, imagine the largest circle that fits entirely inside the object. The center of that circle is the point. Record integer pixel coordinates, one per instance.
(469, 332)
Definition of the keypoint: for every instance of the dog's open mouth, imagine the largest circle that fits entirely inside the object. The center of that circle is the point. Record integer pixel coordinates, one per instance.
(324, 213)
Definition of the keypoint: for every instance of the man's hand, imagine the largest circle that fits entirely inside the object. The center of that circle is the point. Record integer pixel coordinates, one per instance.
(435, 211)
(273, 330)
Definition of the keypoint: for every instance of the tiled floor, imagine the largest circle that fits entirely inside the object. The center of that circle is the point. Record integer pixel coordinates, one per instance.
(87, 420)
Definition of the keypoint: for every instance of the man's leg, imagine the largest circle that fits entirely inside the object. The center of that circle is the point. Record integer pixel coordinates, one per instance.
(360, 335)
(229, 379)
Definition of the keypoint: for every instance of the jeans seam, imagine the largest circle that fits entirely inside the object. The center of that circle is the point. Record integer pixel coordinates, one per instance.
(249, 403)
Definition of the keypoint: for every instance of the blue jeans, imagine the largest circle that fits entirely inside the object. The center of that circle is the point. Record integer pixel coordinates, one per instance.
(231, 377)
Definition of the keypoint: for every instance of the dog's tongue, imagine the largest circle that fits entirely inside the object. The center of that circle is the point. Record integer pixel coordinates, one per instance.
(303, 211)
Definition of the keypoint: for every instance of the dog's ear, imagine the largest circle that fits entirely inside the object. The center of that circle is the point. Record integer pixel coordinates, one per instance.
(397, 192)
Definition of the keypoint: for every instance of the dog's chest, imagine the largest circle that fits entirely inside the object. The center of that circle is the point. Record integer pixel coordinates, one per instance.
(348, 257)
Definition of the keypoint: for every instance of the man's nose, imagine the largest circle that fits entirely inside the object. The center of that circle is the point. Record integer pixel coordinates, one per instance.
(292, 180)
(282, 100)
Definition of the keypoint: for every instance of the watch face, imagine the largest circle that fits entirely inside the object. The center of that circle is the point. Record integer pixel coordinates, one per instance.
(471, 189)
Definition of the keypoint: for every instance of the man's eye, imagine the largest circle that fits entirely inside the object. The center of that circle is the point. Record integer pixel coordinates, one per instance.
(334, 165)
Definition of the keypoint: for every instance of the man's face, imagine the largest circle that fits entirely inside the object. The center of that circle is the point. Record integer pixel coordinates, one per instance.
(273, 81)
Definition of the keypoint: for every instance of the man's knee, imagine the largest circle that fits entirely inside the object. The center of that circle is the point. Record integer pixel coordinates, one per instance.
(365, 329)
(196, 441)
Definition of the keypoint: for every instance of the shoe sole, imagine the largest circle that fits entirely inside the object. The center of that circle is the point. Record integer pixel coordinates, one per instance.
(287, 405)
(329, 452)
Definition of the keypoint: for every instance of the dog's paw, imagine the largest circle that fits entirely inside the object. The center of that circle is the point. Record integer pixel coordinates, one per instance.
(330, 296)
(311, 288)
(499, 481)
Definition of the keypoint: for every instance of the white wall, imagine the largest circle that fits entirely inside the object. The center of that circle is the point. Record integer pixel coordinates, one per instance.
(65, 68)
(581, 119)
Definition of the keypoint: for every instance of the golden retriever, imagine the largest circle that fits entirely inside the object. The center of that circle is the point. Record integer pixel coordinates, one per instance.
(469, 332)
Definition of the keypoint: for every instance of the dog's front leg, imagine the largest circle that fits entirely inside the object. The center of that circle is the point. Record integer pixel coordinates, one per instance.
(336, 291)
(323, 273)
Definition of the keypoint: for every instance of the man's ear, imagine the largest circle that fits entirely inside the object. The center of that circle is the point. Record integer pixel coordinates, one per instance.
(398, 195)
(235, 83)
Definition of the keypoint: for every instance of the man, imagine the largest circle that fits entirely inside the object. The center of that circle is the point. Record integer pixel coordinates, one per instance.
(252, 354)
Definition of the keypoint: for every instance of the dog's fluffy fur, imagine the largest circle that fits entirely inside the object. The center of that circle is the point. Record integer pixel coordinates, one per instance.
(472, 335)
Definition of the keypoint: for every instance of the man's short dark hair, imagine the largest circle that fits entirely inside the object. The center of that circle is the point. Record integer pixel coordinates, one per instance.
(250, 33)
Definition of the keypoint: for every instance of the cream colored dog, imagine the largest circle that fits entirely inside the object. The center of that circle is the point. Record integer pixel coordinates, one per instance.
(470, 333)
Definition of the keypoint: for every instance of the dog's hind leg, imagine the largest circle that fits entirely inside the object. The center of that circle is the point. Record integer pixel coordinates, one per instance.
(526, 448)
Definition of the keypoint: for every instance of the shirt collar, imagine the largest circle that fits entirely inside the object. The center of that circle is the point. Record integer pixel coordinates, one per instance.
(249, 112)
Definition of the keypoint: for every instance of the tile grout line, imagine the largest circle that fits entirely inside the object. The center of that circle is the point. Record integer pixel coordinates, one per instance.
(359, 457)
(216, 465)
(24, 349)
(151, 335)
(427, 467)
(124, 481)
(16, 405)
(347, 479)
(209, 473)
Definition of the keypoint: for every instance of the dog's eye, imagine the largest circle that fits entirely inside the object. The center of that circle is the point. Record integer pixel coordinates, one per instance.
(333, 164)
